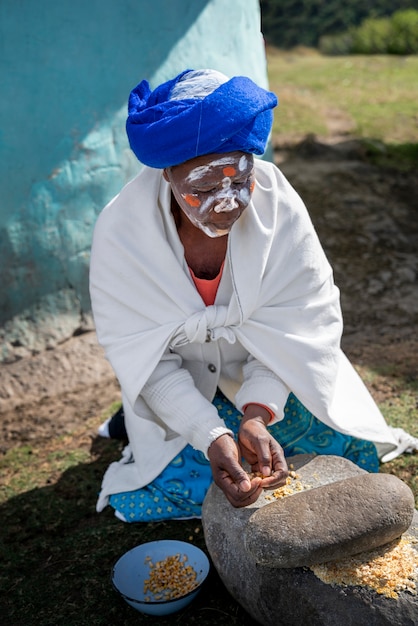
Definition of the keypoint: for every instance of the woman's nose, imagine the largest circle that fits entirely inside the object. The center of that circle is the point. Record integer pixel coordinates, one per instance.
(228, 203)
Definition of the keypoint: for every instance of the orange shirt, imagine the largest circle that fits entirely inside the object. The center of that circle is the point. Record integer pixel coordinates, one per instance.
(207, 288)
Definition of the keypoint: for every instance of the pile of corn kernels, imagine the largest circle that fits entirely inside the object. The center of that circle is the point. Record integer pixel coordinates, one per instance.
(387, 570)
(169, 579)
(293, 485)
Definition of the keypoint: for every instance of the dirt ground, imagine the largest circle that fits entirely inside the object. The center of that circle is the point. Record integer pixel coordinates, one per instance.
(367, 220)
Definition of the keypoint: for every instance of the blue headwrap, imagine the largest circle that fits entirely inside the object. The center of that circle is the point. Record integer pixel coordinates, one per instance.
(164, 131)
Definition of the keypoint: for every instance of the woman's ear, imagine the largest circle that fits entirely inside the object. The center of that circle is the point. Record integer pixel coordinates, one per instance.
(165, 174)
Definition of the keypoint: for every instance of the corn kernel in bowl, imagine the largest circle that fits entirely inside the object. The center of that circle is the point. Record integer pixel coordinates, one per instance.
(160, 577)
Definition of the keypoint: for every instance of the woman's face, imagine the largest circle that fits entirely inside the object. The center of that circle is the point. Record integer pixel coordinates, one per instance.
(213, 190)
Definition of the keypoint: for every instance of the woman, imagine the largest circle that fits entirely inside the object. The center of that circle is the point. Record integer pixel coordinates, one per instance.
(217, 309)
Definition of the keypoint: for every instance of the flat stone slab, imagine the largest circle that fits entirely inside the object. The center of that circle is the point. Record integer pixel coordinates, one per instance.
(259, 570)
(330, 522)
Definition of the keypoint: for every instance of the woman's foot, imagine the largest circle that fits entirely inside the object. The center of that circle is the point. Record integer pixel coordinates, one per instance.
(114, 427)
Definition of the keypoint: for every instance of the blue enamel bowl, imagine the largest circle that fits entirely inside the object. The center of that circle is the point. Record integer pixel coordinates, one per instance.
(132, 569)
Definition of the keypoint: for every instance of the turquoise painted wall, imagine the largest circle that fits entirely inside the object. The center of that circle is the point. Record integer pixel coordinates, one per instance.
(66, 71)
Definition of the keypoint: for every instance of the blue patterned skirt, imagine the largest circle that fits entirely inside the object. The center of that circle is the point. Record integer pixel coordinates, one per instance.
(179, 490)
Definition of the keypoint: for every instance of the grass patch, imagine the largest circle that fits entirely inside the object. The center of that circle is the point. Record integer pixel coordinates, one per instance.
(377, 95)
(402, 156)
(401, 411)
(399, 407)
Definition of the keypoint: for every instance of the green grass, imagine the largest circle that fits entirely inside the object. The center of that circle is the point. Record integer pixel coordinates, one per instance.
(400, 408)
(376, 95)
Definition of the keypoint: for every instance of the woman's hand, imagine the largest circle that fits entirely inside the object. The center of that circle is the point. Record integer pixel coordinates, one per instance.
(260, 449)
(229, 475)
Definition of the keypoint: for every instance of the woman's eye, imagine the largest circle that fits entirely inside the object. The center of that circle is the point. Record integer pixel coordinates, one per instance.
(212, 190)
(241, 183)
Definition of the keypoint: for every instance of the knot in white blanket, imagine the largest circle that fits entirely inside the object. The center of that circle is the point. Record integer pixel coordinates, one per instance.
(207, 325)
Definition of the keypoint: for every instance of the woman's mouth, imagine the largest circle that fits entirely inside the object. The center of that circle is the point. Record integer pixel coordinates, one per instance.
(225, 220)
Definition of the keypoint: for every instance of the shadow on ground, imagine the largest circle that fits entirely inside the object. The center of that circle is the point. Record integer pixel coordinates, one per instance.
(57, 555)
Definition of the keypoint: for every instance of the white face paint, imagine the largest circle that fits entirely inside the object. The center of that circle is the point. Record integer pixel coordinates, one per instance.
(211, 231)
(243, 163)
(206, 187)
(228, 199)
(199, 173)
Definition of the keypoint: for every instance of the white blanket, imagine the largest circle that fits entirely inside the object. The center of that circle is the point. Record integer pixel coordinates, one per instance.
(283, 308)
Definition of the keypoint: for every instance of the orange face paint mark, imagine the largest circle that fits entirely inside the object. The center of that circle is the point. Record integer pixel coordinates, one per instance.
(229, 170)
(192, 200)
(252, 186)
